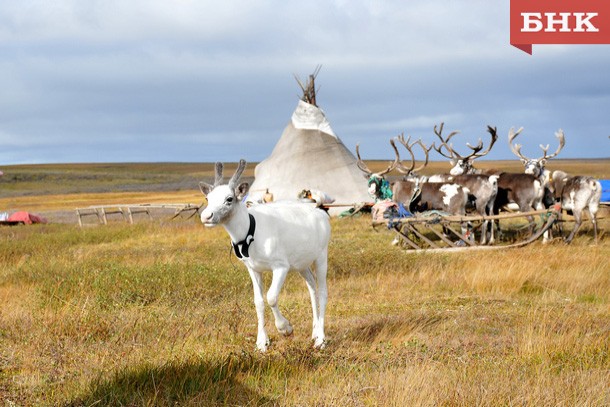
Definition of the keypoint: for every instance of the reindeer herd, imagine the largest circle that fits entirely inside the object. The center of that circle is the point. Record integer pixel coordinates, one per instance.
(468, 189)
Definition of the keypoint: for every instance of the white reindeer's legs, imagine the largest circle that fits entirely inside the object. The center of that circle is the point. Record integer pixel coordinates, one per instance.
(321, 269)
(282, 324)
(313, 294)
(262, 340)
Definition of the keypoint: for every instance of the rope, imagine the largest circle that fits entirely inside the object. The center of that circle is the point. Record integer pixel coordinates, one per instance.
(385, 190)
(397, 214)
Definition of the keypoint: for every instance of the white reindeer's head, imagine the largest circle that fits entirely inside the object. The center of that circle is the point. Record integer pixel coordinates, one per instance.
(223, 198)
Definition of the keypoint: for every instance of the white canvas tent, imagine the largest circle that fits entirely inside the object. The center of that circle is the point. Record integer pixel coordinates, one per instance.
(309, 155)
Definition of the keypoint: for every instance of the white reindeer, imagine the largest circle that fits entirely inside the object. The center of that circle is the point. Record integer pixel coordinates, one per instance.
(277, 237)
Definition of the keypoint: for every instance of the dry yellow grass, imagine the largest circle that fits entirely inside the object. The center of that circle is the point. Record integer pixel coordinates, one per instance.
(152, 314)
(162, 314)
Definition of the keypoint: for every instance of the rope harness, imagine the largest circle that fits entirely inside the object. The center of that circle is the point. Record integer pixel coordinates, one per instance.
(383, 189)
(242, 249)
(416, 193)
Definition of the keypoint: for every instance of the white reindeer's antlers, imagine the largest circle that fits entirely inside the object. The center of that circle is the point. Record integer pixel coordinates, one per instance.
(235, 178)
(204, 187)
(218, 176)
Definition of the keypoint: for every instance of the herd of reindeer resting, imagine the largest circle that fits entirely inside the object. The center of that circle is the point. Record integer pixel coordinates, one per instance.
(485, 191)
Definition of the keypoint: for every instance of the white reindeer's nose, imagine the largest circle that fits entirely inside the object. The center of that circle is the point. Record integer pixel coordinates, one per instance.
(206, 218)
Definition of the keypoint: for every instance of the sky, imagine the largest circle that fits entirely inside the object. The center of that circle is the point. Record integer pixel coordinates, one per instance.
(204, 81)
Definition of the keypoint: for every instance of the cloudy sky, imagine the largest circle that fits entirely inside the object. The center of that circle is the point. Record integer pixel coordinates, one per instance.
(199, 80)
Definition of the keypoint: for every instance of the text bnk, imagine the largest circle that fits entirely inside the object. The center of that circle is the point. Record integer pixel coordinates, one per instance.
(567, 22)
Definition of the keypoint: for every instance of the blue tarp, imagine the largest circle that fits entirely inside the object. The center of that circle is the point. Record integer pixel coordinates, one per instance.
(605, 190)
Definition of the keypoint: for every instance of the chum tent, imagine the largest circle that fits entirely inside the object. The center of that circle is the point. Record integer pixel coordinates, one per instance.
(309, 155)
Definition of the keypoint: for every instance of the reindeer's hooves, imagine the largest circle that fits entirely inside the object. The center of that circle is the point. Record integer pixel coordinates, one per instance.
(263, 344)
(285, 329)
(320, 343)
(263, 348)
(286, 332)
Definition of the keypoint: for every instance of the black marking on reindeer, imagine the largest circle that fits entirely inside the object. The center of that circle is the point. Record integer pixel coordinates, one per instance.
(242, 249)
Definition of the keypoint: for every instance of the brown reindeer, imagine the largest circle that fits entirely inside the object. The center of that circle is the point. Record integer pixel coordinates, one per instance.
(415, 193)
(526, 191)
(419, 195)
(536, 167)
(483, 188)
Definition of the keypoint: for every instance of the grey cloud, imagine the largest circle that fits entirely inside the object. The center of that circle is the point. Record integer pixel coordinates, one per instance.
(108, 77)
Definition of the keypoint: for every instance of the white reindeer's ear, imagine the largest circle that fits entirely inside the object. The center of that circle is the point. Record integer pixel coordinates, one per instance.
(205, 187)
(242, 190)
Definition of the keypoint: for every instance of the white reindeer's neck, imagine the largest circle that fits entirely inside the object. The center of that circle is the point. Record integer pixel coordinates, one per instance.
(238, 223)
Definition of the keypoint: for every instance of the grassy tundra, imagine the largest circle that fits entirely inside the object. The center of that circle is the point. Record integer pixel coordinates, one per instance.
(160, 313)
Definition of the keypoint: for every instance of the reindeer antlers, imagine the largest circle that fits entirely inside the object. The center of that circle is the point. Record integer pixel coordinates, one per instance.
(235, 178)
(476, 150)
(444, 143)
(516, 148)
(218, 176)
(409, 146)
(362, 166)
(562, 142)
(493, 132)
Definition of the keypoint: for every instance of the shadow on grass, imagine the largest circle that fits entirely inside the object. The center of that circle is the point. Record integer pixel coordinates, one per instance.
(201, 382)
(386, 327)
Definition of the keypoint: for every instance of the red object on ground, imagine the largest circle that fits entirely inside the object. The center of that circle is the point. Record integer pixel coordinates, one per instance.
(26, 218)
